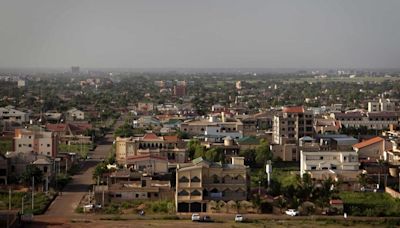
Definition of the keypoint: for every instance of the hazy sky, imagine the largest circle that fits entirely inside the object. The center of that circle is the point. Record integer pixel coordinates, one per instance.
(200, 33)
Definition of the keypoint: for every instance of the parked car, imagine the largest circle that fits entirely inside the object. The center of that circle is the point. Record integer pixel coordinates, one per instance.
(196, 218)
(239, 218)
(207, 218)
(292, 212)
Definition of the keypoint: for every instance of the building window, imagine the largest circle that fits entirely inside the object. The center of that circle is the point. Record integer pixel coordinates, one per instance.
(183, 193)
(30, 145)
(183, 179)
(45, 169)
(196, 193)
(48, 145)
(195, 179)
(321, 158)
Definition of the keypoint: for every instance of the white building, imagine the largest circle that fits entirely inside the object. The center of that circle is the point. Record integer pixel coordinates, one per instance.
(75, 114)
(335, 164)
(8, 113)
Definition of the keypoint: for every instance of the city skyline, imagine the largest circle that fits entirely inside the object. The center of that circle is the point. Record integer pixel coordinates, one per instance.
(183, 34)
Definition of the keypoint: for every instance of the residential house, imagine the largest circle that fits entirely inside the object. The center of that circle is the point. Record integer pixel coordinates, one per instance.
(75, 114)
(372, 149)
(71, 133)
(9, 113)
(213, 129)
(321, 165)
(370, 120)
(202, 181)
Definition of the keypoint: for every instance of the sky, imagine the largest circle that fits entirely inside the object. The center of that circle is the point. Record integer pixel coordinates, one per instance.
(200, 34)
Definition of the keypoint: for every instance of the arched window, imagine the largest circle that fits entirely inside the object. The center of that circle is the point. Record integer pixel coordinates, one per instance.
(183, 193)
(195, 193)
(183, 179)
(195, 179)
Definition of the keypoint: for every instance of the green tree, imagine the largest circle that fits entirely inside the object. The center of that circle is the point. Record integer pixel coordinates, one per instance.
(32, 171)
(100, 169)
(215, 154)
(124, 131)
(263, 153)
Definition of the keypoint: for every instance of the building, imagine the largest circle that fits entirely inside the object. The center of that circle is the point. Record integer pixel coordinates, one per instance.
(383, 105)
(8, 113)
(321, 165)
(202, 181)
(75, 69)
(326, 126)
(372, 149)
(148, 164)
(169, 147)
(370, 120)
(180, 89)
(129, 185)
(75, 114)
(71, 133)
(291, 124)
(213, 128)
(35, 141)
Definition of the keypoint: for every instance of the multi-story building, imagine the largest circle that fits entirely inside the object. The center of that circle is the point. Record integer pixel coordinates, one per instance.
(8, 113)
(169, 147)
(371, 120)
(203, 181)
(35, 141)
(372, 149)
(180, 89)
(383, 105)
(291, 124)
(320, 165)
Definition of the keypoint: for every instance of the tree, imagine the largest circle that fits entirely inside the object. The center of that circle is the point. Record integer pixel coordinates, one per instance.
(32, 171)
(124, 131)
(215, 154)
(263, 153)
(249, 157)
(100, 169)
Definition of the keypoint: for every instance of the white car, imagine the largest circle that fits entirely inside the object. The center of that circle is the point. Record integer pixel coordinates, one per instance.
(196, 218)
(239, 218)
(292, 212)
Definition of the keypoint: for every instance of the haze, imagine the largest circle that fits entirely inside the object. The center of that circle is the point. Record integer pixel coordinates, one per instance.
(200, 34)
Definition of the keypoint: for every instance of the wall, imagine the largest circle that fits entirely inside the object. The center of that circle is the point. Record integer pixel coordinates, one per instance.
(392, 192)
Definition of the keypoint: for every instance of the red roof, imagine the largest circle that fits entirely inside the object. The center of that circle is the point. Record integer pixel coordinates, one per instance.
(293, 109)
(171, 138)
(150, 136)
(149, 156)
(56, 127)
(368, 142)
(336, 201)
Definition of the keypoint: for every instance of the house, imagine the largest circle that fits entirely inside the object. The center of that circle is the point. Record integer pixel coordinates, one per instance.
(320, 165)
(372, 149)
(9, 113)
(150, 164)
(146, 122)
(129, 185)
(71, 133)
(75, 114)
(248, 142)
(35, 141)
(326, 126)
(169, 147)
(213, 129)
(202, 181)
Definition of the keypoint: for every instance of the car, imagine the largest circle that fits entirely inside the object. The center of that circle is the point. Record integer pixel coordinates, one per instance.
(239, 218)
(292, 212)
(196, 218)
(206, 218)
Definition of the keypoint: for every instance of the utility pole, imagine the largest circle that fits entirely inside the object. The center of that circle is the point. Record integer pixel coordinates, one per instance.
(22, 205)
(33, 193)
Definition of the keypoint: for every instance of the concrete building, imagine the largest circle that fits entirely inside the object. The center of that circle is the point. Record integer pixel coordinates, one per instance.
(372, 149)
(370, 120)
(35, 141)
(383, 105)
(203, 181)
(213, 127)
(168, 147)
(321, 165)
(8, 113)
(291, 124)
(75, 114)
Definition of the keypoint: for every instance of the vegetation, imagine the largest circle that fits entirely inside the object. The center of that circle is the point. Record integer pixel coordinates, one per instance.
(41, 201)
(5, 145)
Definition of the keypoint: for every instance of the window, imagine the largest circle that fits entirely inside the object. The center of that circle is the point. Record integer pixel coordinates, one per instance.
(45, 169)
(118, 195)
(321, 158)
(48, 145)
(183, 193)
(195, 179)
(313, 167)
(183, 179)
(195, 193)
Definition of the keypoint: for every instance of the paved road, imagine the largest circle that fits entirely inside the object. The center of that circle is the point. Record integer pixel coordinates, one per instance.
(65, 203)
